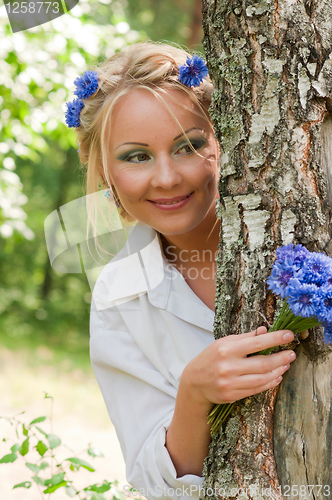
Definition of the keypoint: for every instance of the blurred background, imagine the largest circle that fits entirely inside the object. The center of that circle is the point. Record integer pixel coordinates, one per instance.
(44, 316)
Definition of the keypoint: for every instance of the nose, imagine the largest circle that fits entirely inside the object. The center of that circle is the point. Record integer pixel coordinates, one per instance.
(165, 173)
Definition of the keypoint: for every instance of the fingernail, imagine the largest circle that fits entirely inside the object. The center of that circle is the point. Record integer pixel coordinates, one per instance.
(286, 367)
(288, 336)
(292, 356)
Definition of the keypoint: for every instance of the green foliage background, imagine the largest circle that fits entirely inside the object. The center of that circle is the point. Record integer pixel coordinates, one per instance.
(39, 169)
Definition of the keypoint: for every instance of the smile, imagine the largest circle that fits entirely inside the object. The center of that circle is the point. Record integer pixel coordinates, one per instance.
(171, 203)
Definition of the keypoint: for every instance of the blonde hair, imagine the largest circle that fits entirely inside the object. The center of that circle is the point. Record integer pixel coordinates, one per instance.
(149, 65)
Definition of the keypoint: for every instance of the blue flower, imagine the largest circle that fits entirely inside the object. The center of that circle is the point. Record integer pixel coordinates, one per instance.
(193, 72)
(316, 269)
(302, 298)
(327, 333)
(72, 115)
(292, 255)
(323, 303)
(328, 281)
(281, 274)
(86, 84)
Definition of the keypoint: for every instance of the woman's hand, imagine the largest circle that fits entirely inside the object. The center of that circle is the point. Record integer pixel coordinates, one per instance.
(223, 372)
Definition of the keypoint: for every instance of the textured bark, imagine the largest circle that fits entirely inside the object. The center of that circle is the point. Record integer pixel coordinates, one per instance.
(271, 64)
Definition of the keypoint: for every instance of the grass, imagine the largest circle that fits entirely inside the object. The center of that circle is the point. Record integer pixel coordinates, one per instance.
(29, 367)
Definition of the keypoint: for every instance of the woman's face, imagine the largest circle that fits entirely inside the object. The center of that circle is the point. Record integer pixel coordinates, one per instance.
(159, 179)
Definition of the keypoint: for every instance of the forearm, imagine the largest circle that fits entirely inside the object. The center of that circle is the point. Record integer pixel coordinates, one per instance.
(188, 436)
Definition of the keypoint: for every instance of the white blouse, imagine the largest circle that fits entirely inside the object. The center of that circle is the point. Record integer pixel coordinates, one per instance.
(146, 325)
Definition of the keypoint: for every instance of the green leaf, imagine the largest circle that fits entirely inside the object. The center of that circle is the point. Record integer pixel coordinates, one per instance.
(81, 463)
(118, 496)
(43, 465)
(25, 430)
(71, 492)
(99, 488)
(37, 420)
(53, 440)
(16, 447)
(41, 430)
(55, 479)
(55, 487)
(41, 448)
(98, 496)
(26, 484)
(40, 481)
(11, 457)
(25, 447)
(34, 467)
(95, 452)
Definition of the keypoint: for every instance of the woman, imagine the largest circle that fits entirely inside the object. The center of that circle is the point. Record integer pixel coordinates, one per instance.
(144, 131)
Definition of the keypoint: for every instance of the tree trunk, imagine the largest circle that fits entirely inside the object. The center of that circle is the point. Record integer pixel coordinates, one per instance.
(271, 64)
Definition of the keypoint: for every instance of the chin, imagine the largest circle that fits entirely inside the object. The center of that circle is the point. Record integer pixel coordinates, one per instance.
(174, 229)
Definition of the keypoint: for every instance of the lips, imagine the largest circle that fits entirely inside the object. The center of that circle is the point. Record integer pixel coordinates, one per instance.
(170, 201)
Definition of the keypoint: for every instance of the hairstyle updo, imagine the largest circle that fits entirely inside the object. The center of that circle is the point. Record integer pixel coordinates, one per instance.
(149, 65)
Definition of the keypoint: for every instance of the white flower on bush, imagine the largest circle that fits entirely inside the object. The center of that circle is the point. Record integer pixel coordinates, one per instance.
(12, 216)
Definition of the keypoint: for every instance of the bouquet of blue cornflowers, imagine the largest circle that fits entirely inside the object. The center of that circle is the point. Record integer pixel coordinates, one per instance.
(303, 280)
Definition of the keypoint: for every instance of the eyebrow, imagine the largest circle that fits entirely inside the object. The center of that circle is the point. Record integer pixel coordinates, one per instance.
(136, 144)
(146, 145)
(187, 132)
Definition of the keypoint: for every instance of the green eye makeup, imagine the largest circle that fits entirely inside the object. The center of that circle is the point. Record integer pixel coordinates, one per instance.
(195, 143)
(130, 156)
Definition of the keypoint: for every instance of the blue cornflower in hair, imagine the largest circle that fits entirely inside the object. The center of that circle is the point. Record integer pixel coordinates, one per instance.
(86, 84)
(302, 298)
(72, 115)
(292, 255)
(193, 72)
(316, 269)
(281, 274)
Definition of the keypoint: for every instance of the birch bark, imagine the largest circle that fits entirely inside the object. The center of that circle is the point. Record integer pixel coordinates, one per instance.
(271, 64)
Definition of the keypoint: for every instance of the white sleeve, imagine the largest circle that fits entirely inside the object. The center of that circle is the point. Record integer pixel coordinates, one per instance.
(140, 402)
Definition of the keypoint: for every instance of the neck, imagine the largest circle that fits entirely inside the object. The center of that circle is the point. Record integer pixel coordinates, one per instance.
(194, 242)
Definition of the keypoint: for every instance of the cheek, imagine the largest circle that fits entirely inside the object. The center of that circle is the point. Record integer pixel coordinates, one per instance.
(130, 184)
(209, 174)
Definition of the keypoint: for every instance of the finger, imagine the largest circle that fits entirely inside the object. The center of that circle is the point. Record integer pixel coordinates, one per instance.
(254, 385)
(256, 380)
(261, 364)
(258, 343)
(259, 331)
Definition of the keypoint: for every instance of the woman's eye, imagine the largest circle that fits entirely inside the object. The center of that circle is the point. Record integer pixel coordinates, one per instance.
(138, 158)
(184, 150)
(190, 148)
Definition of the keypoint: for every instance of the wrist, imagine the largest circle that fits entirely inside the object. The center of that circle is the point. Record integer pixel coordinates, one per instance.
(190, 392)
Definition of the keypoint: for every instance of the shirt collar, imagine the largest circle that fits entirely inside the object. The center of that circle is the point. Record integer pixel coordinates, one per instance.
(141, 268)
